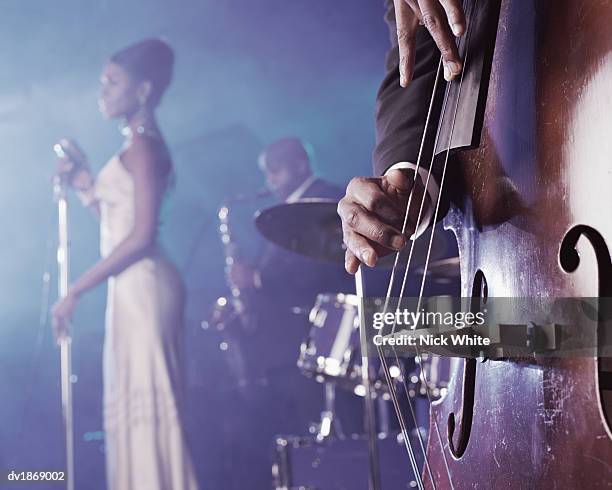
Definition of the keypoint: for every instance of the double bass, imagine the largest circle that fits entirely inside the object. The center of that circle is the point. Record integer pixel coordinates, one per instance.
(529, 129)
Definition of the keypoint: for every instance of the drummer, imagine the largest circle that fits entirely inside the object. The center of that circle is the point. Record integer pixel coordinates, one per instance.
(277, 285)
(279, 275)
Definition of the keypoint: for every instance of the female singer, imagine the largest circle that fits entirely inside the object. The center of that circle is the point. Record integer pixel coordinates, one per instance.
(145, 441)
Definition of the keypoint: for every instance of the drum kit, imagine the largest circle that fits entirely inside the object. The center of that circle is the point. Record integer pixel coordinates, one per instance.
(331, 354)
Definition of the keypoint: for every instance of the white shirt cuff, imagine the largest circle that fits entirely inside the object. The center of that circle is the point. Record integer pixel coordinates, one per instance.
(433, 190)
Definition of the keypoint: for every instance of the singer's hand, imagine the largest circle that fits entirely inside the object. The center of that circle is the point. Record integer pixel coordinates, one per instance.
(81, 178)
(61, 313)
(72, 163)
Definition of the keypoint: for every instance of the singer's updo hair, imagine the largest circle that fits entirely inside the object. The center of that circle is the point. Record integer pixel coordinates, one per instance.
(150, 59)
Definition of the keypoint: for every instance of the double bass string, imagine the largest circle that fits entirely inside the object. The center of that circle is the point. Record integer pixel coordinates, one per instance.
(388, 377)
(435, 216)
(405, 435)
(419, 218)
(401, 294)
(392, 280)
(389, 291)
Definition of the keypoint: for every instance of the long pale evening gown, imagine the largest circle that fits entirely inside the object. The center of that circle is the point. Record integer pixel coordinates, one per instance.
(145, 441)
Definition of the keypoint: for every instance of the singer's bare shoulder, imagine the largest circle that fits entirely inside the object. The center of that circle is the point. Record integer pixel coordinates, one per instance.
(144, 151)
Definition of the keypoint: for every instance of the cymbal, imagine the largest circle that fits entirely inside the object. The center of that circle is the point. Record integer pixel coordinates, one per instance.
(442, 270)
(309, 227)
(312, 228)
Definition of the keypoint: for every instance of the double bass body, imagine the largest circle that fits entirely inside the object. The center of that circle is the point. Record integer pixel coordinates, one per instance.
(536, 222)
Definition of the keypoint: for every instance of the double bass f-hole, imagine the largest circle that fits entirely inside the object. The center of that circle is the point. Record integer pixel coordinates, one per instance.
(460, 426)
(569, 259)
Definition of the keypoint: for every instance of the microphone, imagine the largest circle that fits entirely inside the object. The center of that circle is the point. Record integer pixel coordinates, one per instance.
(67, 149)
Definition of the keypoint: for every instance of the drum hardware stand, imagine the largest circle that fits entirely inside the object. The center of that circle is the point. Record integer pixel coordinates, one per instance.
(370, 409)
(330, 424)
(59, 192)
(383, 413)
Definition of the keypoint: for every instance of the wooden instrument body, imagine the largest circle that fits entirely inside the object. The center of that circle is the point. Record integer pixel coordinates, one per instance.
(546, 138)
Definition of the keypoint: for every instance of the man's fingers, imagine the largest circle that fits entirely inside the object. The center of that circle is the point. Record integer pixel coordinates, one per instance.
(402, 181)
(404, 184)
(436, 23)
(360, 248)
(369, 193)
(407, 52)
(414, 5)
(455, 16)
(359, 220)
(406, 22)
(351, 262)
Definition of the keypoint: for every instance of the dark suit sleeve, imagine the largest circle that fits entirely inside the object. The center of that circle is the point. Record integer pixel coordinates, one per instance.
(401, 112)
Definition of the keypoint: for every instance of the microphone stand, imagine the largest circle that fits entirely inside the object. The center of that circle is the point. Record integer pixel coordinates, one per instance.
(366, 379)
(60, 194)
